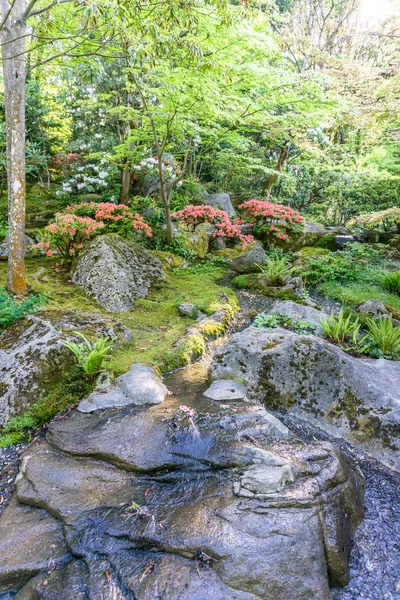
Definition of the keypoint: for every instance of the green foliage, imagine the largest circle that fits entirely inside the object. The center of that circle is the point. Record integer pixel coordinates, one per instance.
(90, 355)
(385, 219)
(385, 336)
(67, 393)
(342, 266)
(345, 332)
(12, 309)
(278, 319)
(391, 282)
(277, 269)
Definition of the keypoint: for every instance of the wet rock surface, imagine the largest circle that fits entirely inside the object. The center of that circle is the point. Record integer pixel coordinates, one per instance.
(375, 556)
(358, 399)
(115, 272)
(189, 500)
(300, 311)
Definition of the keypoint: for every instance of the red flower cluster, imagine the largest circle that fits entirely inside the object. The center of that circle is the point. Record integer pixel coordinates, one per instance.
(194, 215)
(272, 219)
(78, 223)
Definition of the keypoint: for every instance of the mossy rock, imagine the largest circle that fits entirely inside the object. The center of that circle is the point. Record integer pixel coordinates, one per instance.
(311, 252)
(260, 283)
(169, 260)
(327, 242)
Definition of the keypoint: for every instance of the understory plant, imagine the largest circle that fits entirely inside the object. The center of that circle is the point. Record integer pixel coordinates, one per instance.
(391, 282)
(385, 336)
(193, 215)
(345, 332)
(12, 309)
(90, 355)
(277, 269)
(80, 222)
(343, 265)
(277, 319)
(272, 220)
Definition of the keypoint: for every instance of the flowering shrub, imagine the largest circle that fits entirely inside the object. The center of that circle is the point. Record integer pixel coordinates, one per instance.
(86, 179)
(224, 228)
(79, 223)
(275, 220)
(170, 168)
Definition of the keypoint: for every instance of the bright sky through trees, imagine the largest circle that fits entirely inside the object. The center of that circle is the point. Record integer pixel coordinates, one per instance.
(376, 10)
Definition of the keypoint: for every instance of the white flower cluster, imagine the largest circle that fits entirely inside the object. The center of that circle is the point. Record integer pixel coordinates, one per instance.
(88, 178)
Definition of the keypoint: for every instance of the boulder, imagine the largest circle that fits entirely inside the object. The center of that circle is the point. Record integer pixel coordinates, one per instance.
(188, 504)
(197, 241)
(28, 243)
(138, 386)
(33, 358)
(30, 540)
(226, 389)
(221, 201)
(187, 309)
(248, 261)
(115, 272)
(300, 312)
(357, 399)
(374, 308)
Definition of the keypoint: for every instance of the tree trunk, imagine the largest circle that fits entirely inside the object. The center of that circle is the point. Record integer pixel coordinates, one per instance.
(126, 184)
(12, 37)
(274, 178)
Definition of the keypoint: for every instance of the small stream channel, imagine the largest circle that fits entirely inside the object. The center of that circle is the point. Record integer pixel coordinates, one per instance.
(375, 559)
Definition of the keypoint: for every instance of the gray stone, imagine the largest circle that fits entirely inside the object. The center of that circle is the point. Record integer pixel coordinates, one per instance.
(222, 201)
(116, 272)
(357, 399)
(165, 509)
(111, 397)
(300, 312)
(248, 261)
(33, 358)
(226, 389)
(31, 540)
(186, 309)
(67, 486)
(374, 308)
(28, 242)
(261, 481)
(141, 386)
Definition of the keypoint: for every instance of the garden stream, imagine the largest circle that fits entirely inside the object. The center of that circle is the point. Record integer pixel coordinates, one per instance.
(375, 559)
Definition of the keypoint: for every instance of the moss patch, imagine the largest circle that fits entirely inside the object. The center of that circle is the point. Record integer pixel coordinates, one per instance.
(154, 322)
(68, 392)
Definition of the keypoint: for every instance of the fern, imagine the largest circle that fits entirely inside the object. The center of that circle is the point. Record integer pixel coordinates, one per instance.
(385, 335)
(391, 283)
(90, 355)
(277, 269)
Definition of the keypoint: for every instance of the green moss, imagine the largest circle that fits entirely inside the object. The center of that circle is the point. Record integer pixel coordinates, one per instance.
(327, 241)
(154, 321)
(68, 392)
(310, 252)
(357, 292)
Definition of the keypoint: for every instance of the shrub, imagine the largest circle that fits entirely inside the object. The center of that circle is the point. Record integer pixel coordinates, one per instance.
(11, 309)
(343, 265)
(391, 282)
(281, 320)
(224, 228)
(272, 220)
(277, 270)
(385, 336)
(90, 355)
(80, 222)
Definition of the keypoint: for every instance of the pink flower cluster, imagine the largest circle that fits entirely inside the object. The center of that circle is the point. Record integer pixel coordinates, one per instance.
(224, 228)
(272, 219)
(78, 223)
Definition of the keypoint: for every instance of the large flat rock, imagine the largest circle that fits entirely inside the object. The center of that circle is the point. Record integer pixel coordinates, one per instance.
(358, 399)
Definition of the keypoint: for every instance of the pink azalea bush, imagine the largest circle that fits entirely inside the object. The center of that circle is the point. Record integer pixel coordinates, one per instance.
(223, 227)
(80, 222)
(272, 220)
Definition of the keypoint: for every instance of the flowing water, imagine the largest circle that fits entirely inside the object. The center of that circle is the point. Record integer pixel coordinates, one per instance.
(375, 559)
